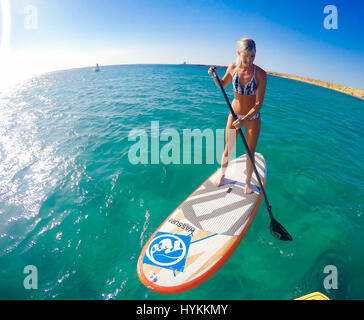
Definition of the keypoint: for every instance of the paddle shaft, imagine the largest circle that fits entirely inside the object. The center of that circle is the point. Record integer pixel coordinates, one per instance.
(269, 207)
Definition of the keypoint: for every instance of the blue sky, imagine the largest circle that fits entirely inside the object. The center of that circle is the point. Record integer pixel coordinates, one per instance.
(290, 35)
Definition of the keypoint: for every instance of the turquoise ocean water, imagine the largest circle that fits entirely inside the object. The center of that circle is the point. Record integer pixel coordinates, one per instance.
(73, 205)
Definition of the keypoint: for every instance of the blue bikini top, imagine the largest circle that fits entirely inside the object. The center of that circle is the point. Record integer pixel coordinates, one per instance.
(251, 87)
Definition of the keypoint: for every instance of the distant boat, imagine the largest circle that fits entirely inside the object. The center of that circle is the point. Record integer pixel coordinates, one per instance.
(96, 69)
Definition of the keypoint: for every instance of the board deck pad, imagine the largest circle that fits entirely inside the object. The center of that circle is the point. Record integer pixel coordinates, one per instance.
(202, 233)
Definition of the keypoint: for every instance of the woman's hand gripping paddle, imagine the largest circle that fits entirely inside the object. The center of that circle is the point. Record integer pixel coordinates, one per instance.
(276, 229)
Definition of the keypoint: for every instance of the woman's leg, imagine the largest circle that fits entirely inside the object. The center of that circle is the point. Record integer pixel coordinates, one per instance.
(252, 130)
(230, 138)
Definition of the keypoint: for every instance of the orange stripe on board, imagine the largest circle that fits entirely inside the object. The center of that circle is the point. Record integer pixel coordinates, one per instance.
(179, 216)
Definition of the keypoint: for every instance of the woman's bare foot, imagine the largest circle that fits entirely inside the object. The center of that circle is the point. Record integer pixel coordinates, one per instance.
(248, 188)
(219, 180)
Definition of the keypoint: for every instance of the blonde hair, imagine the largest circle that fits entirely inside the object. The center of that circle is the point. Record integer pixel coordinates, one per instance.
(244, 44)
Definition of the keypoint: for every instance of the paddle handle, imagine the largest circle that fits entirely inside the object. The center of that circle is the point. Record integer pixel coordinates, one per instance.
(269, 207)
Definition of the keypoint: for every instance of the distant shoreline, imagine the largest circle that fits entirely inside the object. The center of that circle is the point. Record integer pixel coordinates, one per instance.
(337, 87)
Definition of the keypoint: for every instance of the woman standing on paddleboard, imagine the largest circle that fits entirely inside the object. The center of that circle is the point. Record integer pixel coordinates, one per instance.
(249, 82)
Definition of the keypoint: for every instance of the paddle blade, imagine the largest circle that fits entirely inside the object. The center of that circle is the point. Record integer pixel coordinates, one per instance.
(278, 231)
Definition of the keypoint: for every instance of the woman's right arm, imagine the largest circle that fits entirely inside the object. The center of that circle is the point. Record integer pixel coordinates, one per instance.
(225, 81)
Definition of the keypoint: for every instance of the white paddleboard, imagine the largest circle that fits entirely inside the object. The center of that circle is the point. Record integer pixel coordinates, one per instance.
(203, 232)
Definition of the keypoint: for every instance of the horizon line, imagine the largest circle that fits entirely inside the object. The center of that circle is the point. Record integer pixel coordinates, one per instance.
(354, 92)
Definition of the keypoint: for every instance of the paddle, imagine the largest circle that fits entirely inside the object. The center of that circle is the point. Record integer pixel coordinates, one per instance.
(276, 229)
